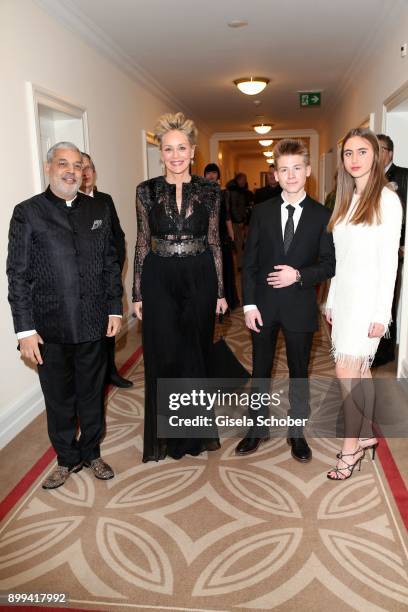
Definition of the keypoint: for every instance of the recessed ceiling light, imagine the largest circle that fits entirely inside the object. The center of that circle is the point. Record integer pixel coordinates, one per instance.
(251, 86)
(237, 23)
(265, 143)
(268, 153)
(269, 160)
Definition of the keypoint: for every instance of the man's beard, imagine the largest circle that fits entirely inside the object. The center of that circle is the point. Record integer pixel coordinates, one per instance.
(68, 190)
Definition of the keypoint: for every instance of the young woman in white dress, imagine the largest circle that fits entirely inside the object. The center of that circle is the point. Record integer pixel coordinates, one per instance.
(366, 226)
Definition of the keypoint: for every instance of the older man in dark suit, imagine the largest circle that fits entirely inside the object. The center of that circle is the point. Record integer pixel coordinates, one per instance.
(65, 294)
(88, 186)
(288, 253)
(398, 176)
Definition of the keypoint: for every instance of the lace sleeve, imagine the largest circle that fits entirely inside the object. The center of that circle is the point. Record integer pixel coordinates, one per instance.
(142, 245)
(214, 240)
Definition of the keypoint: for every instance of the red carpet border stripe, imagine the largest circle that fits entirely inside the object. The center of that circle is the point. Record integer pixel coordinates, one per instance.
(394, 479)
(25, 483)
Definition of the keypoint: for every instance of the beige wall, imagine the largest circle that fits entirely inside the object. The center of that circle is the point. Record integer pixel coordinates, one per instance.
(34, 47)
(381, 74)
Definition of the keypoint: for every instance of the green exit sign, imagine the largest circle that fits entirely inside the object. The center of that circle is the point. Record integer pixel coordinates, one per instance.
(309, 98)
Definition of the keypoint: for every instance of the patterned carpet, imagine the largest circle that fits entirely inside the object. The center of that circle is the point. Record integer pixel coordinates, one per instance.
(216, 532)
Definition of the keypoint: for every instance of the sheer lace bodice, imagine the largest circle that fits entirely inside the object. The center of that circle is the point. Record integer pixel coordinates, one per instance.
(158, 216)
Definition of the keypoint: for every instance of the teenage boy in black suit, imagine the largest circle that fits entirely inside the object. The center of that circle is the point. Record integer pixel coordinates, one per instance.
(288, 252)
(88, 186)
(399, 176)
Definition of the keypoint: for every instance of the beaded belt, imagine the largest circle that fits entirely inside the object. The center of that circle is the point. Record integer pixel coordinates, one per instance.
(183, 248)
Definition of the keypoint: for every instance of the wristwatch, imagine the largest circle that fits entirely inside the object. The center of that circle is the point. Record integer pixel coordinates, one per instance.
(298, 277)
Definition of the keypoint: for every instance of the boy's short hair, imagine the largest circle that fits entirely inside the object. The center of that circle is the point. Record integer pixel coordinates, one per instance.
(290, 146)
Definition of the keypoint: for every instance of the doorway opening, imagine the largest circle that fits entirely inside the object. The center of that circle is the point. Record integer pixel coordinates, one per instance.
(56, 120)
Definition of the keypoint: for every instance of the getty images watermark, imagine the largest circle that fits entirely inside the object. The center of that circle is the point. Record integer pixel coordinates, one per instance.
(229, 407)
(207, 401)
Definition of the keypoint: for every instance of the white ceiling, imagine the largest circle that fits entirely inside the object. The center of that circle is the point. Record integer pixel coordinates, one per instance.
(187, 47)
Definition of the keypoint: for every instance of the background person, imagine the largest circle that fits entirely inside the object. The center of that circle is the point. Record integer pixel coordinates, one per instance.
(366, 226)
(272, 188)
(212, 173)
(88, 186)
(236, 195)
(178, 284)
(398, 177)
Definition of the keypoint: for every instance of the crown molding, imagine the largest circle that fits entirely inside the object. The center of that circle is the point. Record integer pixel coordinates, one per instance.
(68, 13)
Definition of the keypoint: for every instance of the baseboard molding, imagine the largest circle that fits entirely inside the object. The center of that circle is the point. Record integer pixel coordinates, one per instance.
(20, 413)
(30, 404)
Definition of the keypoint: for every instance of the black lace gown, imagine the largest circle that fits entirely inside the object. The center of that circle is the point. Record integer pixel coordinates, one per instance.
(179, 296)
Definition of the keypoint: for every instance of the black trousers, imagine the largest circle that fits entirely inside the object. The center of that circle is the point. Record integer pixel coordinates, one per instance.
(110, 351)
(72, 379)
(298, 348)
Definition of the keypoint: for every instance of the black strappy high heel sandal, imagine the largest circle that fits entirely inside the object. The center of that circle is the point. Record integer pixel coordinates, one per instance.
(338, 472)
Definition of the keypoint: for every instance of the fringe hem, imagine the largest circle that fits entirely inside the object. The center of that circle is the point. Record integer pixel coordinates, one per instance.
(352, 362)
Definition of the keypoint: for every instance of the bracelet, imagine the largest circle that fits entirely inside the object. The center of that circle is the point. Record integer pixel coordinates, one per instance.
(298, 277)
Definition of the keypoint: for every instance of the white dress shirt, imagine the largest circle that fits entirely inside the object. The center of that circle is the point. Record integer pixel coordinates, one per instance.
(284, 217)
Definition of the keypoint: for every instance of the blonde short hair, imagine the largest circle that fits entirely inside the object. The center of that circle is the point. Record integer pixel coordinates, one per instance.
(290, 146)
(176, 121)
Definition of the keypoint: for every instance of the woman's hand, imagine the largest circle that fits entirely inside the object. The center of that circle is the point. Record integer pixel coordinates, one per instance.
(376, 330)
(222, 306)
(138, 310)
(329, 316)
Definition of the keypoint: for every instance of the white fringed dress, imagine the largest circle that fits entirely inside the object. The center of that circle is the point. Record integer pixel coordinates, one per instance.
(362, 290)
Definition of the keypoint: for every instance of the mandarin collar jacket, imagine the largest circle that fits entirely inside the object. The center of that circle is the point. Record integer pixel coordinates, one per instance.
(63, 269)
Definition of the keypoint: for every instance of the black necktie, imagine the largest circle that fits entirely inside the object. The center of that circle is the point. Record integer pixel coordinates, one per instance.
(289, 229)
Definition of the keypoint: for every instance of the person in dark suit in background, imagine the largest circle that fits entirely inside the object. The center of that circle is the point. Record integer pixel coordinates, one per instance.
(271, 189)
(399, 177)
(288, 253)
(212, 174)
(65, 294)
(88, 186)
(237, 198)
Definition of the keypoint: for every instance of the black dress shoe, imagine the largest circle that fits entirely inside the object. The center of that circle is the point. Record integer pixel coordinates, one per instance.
(300, 449)
(250, 445)
(118, 381)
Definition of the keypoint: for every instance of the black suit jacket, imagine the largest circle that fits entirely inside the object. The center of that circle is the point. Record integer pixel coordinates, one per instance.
(63, 269)
(311, 252)
(399, 175)
(267, 193)
(117, 231)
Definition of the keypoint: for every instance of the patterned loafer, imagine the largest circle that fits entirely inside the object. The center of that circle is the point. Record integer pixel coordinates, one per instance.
(100, 469)
(58, 476)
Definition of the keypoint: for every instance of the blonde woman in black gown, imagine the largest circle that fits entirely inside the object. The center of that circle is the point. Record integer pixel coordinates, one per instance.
(178, 285)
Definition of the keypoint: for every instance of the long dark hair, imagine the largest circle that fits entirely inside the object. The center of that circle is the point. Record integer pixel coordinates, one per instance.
(368, 207)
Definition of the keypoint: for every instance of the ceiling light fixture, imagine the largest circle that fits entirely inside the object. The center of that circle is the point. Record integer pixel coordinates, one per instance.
(269, 160)
(262, 128)
(237, 23)
(268, 153)
(251, 86)
(265, 143)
